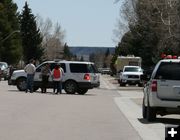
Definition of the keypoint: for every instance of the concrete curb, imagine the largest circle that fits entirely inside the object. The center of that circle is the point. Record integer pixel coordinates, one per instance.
(132, 112)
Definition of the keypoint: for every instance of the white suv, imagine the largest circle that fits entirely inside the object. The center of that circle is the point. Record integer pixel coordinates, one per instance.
(162, 91)
(78, 76)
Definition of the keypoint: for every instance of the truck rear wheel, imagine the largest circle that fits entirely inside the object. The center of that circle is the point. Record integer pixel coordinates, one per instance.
(151, 114)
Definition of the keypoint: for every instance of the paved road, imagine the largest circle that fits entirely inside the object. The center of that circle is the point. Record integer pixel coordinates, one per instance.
(109, 113)
(130, 102)
(94, 116)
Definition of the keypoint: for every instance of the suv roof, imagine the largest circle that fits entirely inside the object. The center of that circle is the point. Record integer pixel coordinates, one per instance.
(170, 60)
(65, 61)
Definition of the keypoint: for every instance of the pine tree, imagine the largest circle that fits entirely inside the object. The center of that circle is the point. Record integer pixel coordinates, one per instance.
(31, 37)
(107, 53)
(67, 53)
(10, 41)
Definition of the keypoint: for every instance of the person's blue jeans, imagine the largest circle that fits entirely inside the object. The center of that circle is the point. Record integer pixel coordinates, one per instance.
(58, 86)
(30, 82)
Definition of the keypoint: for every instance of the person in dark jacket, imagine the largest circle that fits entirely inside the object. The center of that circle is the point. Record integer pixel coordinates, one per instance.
(45, 73)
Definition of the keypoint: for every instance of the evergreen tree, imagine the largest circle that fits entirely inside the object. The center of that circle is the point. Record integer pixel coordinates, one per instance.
(92, 57)
(10, 42)
(67, 53)
(107, 53)
(81, 59)
(31, 36)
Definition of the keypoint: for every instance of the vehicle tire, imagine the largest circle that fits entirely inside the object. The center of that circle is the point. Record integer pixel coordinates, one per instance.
(122, 84)
(151, 114)
(144, 110)
(81, 91)
(21, 84)
(70, 87)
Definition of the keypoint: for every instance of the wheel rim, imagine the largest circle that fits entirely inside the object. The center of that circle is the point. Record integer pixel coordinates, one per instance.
(22, 85)
(70, 87)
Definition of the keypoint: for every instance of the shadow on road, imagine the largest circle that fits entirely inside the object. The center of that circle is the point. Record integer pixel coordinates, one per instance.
(172, 121)
(50, 93)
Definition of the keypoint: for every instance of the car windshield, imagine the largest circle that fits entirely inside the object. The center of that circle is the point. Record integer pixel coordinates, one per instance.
(132, 69)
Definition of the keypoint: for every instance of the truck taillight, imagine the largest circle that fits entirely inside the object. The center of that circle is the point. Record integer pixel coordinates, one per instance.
(154, 86)
(87, 76)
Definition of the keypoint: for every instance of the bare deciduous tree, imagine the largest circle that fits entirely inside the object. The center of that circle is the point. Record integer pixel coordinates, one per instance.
(53, 39)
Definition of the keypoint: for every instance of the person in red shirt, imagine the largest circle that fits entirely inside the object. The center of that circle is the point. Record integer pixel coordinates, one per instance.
(57, 74)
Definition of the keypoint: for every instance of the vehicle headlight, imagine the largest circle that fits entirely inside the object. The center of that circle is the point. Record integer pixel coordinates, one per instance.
(13, 75)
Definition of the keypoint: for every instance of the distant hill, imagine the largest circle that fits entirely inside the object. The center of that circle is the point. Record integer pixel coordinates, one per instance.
(78, 50)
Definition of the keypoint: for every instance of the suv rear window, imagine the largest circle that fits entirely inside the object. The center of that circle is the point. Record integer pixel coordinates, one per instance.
(79, 68)
(83, 68)
(168, 71)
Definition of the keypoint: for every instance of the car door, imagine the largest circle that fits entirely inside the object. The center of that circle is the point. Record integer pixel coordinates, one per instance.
(168, 81)
(38, 76)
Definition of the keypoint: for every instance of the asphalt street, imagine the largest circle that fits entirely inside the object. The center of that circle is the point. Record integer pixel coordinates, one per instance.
(37, 116)
(110, 112)
(130, 102)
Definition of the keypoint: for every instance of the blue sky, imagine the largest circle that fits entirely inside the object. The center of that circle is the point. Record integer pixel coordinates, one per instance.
(86, 22)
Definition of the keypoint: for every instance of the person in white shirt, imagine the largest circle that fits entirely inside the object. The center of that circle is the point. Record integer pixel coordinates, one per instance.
(30, 70)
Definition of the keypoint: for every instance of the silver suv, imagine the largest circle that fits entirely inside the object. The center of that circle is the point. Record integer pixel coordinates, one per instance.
(162, 91)
(78, 76)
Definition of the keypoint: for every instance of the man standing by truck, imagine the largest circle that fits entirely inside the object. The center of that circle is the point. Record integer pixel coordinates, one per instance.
(30, 70)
